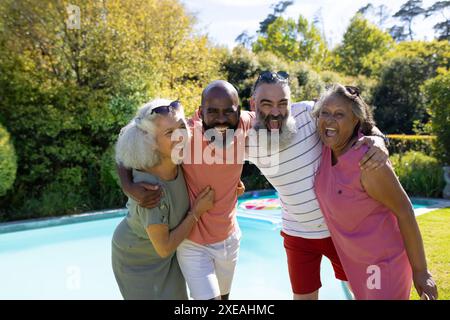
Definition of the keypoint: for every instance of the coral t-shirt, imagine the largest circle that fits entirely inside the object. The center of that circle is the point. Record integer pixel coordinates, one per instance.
(207, 165)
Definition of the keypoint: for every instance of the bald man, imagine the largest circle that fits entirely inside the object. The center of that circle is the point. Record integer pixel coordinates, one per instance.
(209, 255)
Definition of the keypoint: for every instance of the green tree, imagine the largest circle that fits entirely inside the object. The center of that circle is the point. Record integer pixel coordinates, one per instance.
(400, 106)
(294, 41)
(435, 54)
(8, 162)
(443, 27)
(362, 49)
(278, 10)
(397, 99)
(398, 33)
(408, 12)
(67, 92)
(438, 98)
(377, 14)
(246, 40)
(241, 69)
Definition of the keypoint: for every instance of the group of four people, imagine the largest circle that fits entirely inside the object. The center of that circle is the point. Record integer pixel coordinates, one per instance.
(328, 163)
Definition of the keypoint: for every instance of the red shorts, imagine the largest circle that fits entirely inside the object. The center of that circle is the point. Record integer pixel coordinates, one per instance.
(304, 257)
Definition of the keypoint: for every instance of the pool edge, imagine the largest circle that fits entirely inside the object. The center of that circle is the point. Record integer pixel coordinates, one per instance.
(23, 225)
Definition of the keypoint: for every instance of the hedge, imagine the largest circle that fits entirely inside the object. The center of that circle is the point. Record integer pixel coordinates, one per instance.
(420, 174)
(401, 143)
(8, 162)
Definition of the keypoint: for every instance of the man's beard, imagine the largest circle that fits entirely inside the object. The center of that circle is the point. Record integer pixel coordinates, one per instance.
(286, 132)
(222, 141)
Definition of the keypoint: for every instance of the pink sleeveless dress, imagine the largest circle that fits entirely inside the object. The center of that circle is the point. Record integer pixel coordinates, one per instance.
(365, 232)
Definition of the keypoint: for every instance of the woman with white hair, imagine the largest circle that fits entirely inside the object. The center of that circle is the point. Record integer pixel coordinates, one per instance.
(144, 243)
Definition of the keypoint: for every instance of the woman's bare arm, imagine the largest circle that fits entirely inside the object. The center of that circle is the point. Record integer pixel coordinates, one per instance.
(383, 186)
(166, 241)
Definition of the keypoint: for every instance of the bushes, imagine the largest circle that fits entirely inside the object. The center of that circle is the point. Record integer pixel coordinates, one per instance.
(65, 194)
(62, 133)
(306, 84)
(8, 162)
(243, 67)
(253, 179)
(400, 143)
(397, 98)
(110, 191)
(65, 94)
(420, 175)
(400, 103)
(438, 97)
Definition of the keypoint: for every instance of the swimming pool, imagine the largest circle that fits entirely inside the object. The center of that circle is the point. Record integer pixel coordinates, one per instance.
(72, 260)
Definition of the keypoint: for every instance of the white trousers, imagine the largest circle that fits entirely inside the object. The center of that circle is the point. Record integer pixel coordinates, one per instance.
(209, 269)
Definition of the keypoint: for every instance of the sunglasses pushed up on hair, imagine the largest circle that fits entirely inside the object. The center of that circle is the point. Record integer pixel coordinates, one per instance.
(269, 76)
(354, 91)
(174, 105)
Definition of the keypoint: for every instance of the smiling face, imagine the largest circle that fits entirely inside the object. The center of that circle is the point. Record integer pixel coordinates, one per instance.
(271, 101)
(336, 123)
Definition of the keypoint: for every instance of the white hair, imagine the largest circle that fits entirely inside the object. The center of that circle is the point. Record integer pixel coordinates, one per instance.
(136, 146)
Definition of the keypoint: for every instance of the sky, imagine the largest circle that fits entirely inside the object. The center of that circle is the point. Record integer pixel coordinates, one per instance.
(224, 20)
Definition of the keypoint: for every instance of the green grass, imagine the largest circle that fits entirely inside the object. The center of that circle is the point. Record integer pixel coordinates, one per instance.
(435, 229)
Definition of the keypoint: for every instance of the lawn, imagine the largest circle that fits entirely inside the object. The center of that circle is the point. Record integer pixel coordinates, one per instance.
(435, 229)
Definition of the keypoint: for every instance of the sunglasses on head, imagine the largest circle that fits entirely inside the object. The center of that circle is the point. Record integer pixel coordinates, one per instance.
(174, 105)
(269, 76)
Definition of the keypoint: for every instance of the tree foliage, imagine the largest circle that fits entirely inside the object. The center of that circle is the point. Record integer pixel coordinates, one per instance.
(398, 33)
(376, 14)
(420, 174)
(67, 92)
(363, 48)
(407, 13)
(437, 95)
(398, 101)
(292, 40)
(8, 162)
(441, 28)
(400, 105)
(278, 9)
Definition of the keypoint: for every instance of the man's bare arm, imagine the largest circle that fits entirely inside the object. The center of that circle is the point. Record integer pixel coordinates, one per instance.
(377, 154)
(146, 195)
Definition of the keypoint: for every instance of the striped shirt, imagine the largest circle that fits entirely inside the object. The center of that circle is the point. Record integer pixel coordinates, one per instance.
(291, 171)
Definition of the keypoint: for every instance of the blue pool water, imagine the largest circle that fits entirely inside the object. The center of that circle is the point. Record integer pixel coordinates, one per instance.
(72, 261)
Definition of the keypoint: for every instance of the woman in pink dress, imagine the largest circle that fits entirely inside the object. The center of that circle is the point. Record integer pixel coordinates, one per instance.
(369, 215)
